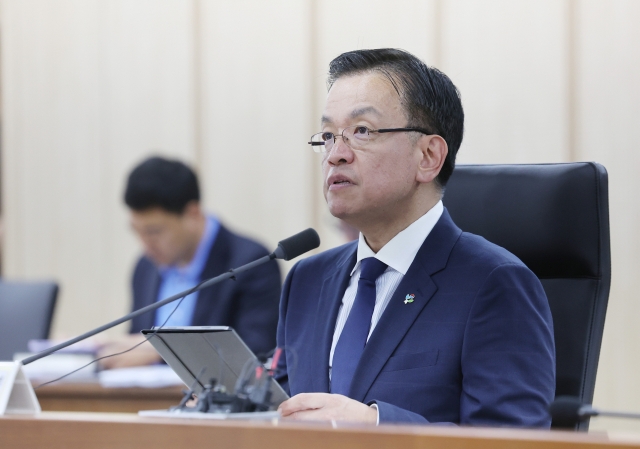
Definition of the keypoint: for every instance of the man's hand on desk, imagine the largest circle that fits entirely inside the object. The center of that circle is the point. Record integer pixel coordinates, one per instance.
(140, 356)
(326, 407)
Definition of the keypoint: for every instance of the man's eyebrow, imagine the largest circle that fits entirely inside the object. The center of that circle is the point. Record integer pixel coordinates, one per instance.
(354, 114)
(363, 111)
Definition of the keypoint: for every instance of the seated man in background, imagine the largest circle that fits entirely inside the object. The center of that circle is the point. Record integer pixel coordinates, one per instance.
(183, 246)
(416, 321)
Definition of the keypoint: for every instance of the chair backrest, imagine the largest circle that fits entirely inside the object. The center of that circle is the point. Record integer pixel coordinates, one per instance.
(555, 218)
(26, 309)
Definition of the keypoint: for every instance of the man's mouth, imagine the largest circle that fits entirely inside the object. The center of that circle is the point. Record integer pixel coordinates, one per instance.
(337, 181)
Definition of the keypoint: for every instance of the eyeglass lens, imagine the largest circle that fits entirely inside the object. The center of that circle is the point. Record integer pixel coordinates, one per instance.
(354, 136)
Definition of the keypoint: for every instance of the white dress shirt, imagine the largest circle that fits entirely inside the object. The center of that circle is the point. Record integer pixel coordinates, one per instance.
(398, 254)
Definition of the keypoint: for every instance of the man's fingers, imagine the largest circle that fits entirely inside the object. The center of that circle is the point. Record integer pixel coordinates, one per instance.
(323, 407)
(303, 401)
(306, 415)
(292, 405)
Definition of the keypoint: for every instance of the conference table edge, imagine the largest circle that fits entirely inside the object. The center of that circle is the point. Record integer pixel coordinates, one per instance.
(73, 429)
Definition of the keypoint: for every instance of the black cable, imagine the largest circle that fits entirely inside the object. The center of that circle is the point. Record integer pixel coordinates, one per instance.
(155, 331)
(94, 361)
(264, 356)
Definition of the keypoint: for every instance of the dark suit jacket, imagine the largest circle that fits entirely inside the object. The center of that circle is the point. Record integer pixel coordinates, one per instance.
(475, 347)
(248, 304)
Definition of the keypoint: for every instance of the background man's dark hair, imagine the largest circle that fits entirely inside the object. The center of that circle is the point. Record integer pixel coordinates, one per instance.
(164, 183)
(429, 97)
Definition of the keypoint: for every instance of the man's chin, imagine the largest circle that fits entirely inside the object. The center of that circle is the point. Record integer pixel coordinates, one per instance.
(338, 212)
(158, 261)
(343, 213)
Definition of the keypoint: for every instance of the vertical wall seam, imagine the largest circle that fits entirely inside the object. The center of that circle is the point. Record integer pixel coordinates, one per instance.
(2, 156)
(572, 89)
(438, 32)
(314, 176)
(197, 88)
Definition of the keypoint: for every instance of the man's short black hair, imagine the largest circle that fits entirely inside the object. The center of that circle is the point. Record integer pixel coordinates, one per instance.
(429, 97)
(158, 182)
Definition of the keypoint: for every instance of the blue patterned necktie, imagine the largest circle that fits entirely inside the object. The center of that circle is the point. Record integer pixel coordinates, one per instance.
(354, 334)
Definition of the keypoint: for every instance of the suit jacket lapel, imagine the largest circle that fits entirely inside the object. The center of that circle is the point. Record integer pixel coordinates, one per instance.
(398, 317)
(333, 289)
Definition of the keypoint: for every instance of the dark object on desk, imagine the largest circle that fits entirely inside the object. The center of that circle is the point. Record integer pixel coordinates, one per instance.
(252, 394)
(223, 372)
(568, 411)
(555, 218)
(26, 309)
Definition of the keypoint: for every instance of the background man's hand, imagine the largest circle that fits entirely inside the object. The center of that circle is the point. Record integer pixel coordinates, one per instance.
(325, 407)
(143, 355)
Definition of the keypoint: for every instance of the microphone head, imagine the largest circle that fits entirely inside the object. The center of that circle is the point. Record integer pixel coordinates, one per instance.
(565, 411)
(298, 244)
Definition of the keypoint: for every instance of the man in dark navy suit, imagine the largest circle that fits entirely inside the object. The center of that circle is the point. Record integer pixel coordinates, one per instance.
(416, 321)
(183, 246)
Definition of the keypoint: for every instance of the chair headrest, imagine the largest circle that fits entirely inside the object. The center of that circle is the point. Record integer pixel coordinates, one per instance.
(551, 216)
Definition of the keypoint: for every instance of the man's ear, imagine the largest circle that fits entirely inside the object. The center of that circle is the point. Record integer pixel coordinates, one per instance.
(192, 209)
(433, 152)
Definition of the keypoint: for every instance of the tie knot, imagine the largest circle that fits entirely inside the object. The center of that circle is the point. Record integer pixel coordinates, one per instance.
(371, 269)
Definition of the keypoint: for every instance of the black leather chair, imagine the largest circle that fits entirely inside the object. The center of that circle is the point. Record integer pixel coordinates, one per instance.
(26, 309)
(555, 218)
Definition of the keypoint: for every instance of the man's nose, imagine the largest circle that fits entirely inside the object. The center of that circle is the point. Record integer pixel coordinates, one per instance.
(341, 152)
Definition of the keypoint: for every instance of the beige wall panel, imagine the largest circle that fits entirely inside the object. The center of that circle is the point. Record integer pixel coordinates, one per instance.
(345, 25)
(89, 87)
(608, 131)
(255, 125)
(237, 88)
(348, 25)
(509, 61)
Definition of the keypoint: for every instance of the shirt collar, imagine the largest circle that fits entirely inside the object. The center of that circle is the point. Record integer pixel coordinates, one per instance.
(400, 251)
(194, 269)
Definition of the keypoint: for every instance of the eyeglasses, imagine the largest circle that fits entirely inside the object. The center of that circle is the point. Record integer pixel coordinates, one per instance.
(354, 136)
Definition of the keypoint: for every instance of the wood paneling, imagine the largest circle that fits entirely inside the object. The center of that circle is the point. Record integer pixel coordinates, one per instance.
(89, 87)
(509, 61)
(255, 125)
(236, 87)
(608, 131)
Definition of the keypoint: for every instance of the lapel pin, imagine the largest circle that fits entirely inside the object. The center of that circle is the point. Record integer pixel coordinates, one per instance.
(409, 298)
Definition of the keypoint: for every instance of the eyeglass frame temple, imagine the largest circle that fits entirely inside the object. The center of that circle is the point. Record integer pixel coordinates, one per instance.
(390, 130)
(381, 131)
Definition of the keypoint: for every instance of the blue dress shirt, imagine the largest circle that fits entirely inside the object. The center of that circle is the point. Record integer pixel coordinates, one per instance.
(177, 279)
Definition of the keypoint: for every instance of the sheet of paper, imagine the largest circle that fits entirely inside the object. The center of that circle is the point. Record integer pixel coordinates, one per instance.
(57, 365)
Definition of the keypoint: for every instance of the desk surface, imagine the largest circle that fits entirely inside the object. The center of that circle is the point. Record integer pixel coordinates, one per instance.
(102, 430)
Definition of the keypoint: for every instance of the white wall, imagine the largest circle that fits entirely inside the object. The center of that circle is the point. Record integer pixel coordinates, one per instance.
(236, 87)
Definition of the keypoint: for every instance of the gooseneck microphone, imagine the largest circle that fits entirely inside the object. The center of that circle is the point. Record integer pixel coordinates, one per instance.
(567, 411)
(296, 245)
(288, 249)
